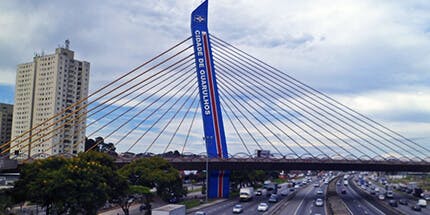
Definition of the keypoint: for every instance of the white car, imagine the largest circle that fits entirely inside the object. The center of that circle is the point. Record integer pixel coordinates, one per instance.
(422, 203)
(237, 209)
(319, 202)
(320, 192)
(262, 207)
(381, 197)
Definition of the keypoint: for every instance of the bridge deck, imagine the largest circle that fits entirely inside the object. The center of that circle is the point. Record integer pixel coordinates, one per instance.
(199, 163)
(296, 164)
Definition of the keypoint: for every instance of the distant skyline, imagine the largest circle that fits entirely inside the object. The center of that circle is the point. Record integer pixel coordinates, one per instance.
(373, 56)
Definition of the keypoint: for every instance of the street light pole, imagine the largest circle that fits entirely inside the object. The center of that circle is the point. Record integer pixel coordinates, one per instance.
(206, 139)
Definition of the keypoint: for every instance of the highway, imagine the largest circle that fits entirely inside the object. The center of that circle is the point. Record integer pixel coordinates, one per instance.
(354, 202)
(304, 202)
(249, 207)
(405, 209)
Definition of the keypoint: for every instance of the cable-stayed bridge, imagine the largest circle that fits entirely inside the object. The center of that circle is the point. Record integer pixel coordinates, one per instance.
(171, 101)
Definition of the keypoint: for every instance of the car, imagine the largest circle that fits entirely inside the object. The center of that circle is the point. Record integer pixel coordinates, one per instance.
(173, 199)
(238, 209)
(389, 194)
(319, 202)
(200, 213)
(372, 192)
(393, 203)
(284, 192)
(425, 195)
(296, 186)
(422, 203)
(377, 189)
(416, 207)
(316, 185)
(343, 191)
(381, 197)
(258, 193)
(338, 183)
(263, 207)
(320, 192)
(292, 189)
(403, 201)
(144, 207)
(273, 198)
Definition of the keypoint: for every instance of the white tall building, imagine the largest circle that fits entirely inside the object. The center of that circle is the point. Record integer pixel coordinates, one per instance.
(44, 88)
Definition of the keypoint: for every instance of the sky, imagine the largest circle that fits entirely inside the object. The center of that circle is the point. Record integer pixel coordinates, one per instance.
(373, 56)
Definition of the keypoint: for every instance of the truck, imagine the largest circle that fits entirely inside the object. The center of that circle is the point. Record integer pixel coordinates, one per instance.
(262, 153)
(246, 193)
(170, 209)
(345, 182)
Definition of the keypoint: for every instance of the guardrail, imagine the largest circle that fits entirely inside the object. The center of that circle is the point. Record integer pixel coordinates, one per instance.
(336, 206)
(385, 208)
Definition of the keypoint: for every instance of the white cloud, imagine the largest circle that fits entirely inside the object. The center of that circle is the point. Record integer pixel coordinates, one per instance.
(385, 103)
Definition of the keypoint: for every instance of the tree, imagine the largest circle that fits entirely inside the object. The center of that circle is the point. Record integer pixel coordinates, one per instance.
(240, 178)
(89, 144)
(77, 185)
(6, 200)
(155, 172)
(122, 195)
(108, 148)
(40, 182)
(99, 145)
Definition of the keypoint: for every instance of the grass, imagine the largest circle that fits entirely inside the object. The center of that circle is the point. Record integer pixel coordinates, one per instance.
(423, 182)
(190, 203)
(195, 190)
(234, 194)
(280, 181)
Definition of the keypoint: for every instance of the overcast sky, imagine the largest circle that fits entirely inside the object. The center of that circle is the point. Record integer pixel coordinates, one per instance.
(373, 56)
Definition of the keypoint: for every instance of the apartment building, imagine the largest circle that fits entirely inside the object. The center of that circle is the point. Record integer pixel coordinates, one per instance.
(45, 87)
(6, 112)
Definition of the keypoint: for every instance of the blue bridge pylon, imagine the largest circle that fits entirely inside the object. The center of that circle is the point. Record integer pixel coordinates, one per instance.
(216, 146)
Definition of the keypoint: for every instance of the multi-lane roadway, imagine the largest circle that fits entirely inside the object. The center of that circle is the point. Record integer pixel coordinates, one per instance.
(403, 209)
(354, 202)
(302, 201)
(249, 207)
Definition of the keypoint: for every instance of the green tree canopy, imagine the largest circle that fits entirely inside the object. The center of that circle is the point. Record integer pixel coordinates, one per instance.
(155, 172)
(76, 185)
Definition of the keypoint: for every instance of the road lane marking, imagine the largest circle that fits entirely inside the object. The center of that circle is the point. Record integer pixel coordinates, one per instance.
(365, 201)
(301, 202)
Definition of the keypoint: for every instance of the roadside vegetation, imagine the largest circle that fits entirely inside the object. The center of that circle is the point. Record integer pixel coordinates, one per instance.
(84, 184)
